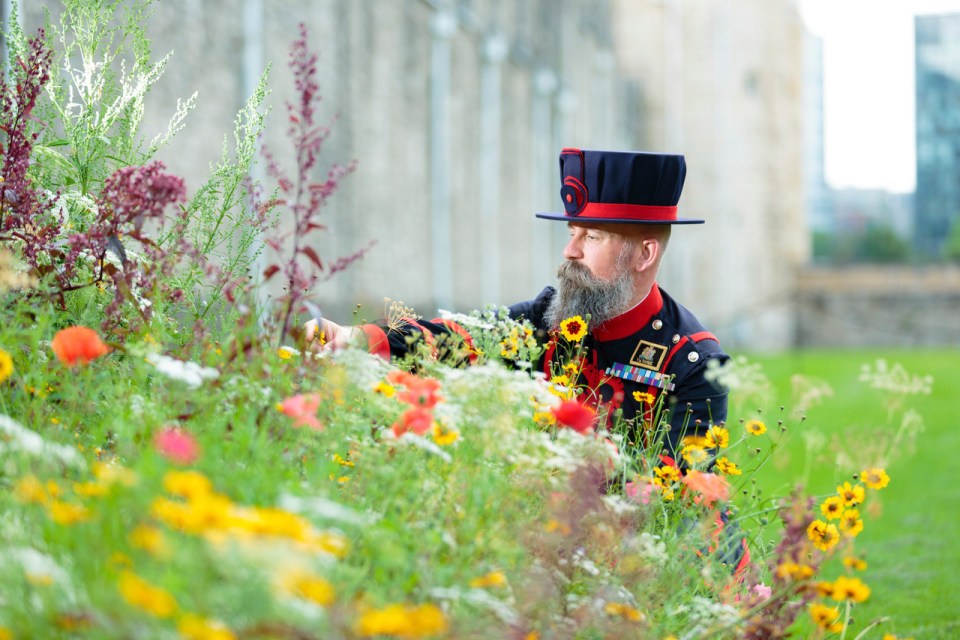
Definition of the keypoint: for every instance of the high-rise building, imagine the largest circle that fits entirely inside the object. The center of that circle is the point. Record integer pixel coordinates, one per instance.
(938, 130)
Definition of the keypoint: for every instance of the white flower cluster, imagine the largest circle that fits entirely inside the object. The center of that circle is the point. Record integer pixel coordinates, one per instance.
(16, 437)
(190, 373)
(895, 379)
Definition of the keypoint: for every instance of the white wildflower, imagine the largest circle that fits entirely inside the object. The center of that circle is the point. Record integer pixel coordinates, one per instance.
(16, 437)
(190, 373)
(894, 379)
(325, 509)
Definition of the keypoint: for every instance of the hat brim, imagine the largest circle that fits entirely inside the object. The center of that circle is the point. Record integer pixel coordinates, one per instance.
(585, 220)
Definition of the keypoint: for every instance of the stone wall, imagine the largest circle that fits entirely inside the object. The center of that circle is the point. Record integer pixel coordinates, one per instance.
(456, 111)
(872, 306)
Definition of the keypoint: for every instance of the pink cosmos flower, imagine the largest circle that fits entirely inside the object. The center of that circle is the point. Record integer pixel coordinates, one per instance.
(762, 590)
(303, 409)
(709, 487)
(640, 491)
(176, 445)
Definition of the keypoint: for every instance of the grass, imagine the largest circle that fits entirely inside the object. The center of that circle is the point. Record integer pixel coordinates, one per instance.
(909, 540)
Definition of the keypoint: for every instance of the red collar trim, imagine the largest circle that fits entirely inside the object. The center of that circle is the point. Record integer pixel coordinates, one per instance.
(633, 320)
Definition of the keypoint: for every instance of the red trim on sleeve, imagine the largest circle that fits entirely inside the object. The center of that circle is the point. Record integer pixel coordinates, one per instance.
(673, 352)
(460, 331)
(427, 336)
(377, 342)
(741, 571)
(704, 335)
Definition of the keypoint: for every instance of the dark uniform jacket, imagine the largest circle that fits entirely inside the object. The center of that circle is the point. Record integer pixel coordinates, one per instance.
(656, 347)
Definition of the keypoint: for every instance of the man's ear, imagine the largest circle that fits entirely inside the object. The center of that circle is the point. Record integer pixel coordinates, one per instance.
(648, 254)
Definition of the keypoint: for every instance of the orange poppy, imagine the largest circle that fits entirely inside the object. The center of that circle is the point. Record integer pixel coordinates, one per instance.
(78, 345)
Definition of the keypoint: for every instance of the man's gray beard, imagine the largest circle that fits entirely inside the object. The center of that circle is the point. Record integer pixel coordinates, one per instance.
(582, 293)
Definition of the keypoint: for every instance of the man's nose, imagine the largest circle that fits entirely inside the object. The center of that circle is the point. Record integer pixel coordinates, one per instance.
(573, 251)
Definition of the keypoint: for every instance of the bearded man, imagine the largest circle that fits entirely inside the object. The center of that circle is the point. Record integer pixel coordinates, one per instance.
(620, 208)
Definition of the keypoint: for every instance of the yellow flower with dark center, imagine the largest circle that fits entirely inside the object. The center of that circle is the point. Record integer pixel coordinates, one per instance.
(832, 507)
(443, 435)
(755, 427)
(875, 478)
(825, 617)
(573, 329)
(544, 418)
(794, 571)
(717, 437)
(492, 579)
(644, 397)
(694, 454)
(667, 474)
(852, 563)
(847, 588)
(727, 467)
(509, 348)
(384, 389)
(850, 523)
(824, 536)
(145, 596)
(6, 365)
(851, 495)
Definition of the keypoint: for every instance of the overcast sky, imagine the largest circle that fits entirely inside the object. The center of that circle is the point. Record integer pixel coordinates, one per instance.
(869, 88)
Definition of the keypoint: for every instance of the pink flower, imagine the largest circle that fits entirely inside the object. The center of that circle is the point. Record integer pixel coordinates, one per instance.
(176, 445)
(640, 491)
(709, 487)
(303, 409)
(763, 591)
(578, 417)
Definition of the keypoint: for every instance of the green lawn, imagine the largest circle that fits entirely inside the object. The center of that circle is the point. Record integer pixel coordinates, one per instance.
(911, 538)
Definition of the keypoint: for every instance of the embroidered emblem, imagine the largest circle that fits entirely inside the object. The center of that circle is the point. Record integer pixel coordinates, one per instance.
(649, 355)
(643, 376)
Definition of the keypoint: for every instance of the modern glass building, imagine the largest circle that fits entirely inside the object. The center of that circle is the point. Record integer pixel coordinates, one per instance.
(938, 130)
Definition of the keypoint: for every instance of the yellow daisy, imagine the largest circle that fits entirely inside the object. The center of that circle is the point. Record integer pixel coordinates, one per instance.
(755, 427)
(573, 328)
(875, 478)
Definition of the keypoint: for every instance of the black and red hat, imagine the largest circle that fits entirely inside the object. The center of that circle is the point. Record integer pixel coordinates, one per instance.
(620, 187)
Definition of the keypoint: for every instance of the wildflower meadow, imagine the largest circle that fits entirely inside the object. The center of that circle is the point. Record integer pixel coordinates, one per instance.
(177, 462)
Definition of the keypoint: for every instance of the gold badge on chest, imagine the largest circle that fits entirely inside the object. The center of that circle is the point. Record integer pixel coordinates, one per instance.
(649, 355)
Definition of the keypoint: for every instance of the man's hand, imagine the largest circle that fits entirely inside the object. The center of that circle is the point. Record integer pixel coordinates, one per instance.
(328, 335)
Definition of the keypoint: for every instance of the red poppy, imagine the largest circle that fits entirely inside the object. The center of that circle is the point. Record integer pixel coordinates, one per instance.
(416, 419)
(419, 392)
(78, 345)
(578, 417)
(176, 445)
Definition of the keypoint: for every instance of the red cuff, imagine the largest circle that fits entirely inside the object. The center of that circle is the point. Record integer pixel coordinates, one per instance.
(377, 342)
